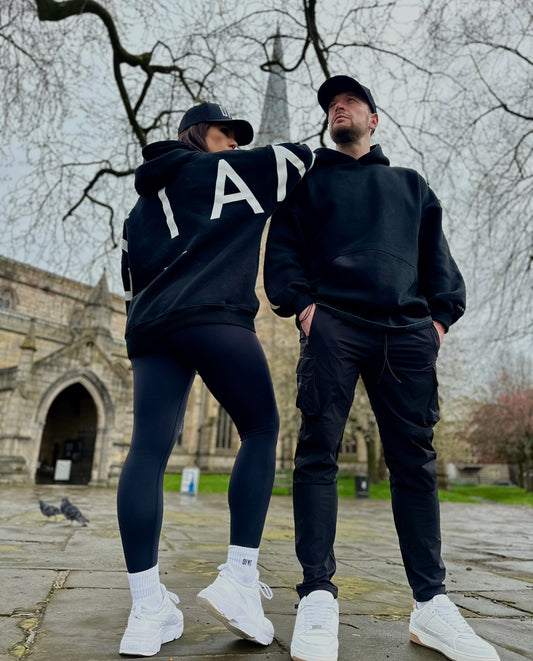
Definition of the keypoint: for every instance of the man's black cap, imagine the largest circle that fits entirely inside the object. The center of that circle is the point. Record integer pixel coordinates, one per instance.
(337, 85)
(213, 113)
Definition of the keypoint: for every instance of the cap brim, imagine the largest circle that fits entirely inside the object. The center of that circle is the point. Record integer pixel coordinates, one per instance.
(244, 133)
(337, 85)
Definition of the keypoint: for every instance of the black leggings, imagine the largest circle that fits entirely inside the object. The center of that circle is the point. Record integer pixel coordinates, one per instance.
(232, 364)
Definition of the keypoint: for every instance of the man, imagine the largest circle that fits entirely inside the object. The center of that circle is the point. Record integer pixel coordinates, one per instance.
(358, 254)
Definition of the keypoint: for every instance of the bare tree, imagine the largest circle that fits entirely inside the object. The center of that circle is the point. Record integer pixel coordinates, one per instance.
(82, 103)
(485, 161)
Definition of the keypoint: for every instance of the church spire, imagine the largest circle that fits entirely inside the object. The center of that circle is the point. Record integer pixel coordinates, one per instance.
(275, 125)
(98, 309)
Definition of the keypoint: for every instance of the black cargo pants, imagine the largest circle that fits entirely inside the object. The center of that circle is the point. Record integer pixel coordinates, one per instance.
(398, 370)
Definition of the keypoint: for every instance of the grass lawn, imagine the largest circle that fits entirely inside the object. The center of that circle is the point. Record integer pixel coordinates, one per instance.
(208, 483)
(381, 491)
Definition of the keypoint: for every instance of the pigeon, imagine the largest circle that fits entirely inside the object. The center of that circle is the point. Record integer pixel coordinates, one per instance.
(72, 513)
(49, 510)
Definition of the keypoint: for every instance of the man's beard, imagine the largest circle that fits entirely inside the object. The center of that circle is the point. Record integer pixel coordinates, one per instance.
(346, 134)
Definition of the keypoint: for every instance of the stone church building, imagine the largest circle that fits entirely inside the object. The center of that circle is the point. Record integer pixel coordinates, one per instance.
(66, 384)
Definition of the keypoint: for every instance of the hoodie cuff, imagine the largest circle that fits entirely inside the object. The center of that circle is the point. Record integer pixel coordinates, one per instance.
(300, 302)
(445, 323)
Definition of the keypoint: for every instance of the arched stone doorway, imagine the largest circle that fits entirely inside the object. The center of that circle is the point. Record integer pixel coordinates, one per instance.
(69, 435)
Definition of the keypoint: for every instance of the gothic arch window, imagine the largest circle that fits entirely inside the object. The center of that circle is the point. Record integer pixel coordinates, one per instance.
(76, 318)
(8, 298)
(224, 430)
(349, 446)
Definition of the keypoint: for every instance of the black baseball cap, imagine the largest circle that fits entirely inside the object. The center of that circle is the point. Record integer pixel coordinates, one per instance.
(337, 85)
(213, 113)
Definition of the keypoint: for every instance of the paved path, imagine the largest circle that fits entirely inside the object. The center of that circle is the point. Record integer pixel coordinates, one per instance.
(65, 596)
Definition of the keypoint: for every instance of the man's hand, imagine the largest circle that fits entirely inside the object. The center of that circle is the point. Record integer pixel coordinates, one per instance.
(440, 330)
(306, 318)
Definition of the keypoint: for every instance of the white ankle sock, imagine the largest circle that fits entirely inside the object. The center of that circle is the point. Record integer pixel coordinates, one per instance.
(243, 561)
(420, 604)
(145, 587)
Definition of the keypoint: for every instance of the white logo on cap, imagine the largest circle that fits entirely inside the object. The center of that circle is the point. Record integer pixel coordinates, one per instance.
(224, 111)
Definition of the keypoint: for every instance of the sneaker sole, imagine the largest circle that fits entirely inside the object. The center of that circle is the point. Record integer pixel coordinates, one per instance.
(304, 654)
(296, 656)
(168, 634)
(426, 640)
(237, 628)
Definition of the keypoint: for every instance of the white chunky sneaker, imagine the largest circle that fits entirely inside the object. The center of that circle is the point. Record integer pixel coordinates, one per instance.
(238, 605)
(316, 632)
(440, 625)
(148, 629)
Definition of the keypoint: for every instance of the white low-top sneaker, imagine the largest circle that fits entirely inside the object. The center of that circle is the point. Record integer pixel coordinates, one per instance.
(316, 631)
(238, 605)
(440, 625)
(148, 629)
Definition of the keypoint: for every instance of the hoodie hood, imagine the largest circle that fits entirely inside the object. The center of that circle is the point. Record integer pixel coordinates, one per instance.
(162, 161)
(326, 156)
(157, 149)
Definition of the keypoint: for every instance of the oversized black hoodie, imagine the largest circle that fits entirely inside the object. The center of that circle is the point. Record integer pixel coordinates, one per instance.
(365, 240)
(191, 243)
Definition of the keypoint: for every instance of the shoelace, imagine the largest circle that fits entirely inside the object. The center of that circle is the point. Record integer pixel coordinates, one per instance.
(318, 615)
(173, 597)
(263, 587)
(451, 615)
(265, 590)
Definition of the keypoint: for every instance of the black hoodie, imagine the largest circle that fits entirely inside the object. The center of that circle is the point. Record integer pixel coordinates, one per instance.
(191, 243)
(365, 240)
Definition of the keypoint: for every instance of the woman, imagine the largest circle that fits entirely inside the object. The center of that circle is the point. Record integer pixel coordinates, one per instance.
(189, 266)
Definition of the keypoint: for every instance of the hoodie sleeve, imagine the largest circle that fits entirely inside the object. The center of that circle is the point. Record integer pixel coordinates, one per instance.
(285, 270)
(125, 268)
(292, 162)
(440, 279)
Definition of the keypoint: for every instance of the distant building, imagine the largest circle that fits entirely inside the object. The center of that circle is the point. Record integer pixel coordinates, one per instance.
(66, 386)
(65, 382)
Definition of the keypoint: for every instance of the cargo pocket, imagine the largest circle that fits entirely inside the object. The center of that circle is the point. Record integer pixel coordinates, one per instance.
(433, 410)
(307, 398)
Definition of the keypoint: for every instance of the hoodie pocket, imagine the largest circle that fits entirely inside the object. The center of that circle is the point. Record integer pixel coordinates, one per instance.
(370, 280)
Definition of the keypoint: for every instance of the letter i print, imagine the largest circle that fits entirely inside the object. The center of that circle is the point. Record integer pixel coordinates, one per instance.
(167, 210)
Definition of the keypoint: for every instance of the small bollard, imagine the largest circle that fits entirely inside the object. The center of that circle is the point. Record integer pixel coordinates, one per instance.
(361, 486)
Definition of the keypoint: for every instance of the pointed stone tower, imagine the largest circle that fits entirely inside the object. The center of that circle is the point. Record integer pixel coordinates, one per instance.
(275, 126)
(278, 337)
(98, 308)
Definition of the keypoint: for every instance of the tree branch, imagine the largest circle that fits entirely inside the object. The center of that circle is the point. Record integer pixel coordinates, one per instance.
(48, 10)
(114, 243)
(508, 49)
(503, 105)
(86, 191)
(314, 36)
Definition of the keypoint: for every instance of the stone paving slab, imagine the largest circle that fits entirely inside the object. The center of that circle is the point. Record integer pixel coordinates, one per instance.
(65, 593)
(26, 588)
